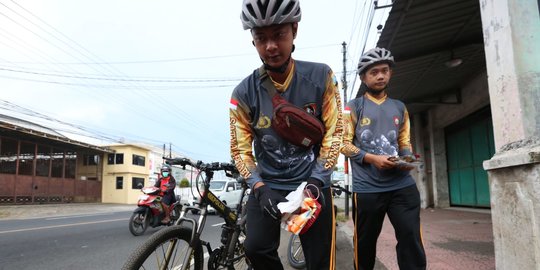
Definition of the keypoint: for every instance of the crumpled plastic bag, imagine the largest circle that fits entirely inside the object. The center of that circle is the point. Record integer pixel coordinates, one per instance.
(294, 202)
(299, 212)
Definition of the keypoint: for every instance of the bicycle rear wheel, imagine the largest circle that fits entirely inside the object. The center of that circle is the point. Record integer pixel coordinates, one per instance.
(152, 254)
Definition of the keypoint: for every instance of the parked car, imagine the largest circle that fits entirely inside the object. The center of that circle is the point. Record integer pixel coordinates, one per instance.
(227, 190)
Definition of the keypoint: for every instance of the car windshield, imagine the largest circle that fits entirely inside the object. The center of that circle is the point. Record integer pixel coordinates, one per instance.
(217, 185)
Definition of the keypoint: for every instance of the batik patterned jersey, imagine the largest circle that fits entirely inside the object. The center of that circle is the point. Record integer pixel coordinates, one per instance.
(260, 154)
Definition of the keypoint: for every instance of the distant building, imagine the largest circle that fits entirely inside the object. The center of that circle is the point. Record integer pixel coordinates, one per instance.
(39, 165)
(129, 168)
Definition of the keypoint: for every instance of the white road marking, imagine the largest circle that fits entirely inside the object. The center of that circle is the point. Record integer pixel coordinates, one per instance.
(78, 216)
(64, 225)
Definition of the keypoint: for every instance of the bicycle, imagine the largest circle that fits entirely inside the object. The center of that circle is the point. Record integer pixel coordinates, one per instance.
(295, 254)
(180, 246)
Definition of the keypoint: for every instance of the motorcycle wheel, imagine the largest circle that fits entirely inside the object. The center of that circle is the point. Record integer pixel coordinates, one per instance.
(295, 254)
(138, 223)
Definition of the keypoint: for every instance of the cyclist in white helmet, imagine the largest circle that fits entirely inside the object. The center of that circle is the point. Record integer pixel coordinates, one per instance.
(377, 134)
(280, 165)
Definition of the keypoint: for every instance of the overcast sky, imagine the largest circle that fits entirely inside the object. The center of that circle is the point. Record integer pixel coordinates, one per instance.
(157, 72)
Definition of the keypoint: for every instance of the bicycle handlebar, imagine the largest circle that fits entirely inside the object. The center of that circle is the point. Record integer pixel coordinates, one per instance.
(341, 188)
(213, 166)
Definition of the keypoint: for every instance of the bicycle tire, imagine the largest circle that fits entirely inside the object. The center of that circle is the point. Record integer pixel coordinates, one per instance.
(295, 254)
(151, 254)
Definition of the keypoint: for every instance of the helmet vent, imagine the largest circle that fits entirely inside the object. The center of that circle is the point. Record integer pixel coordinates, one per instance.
(251, 11)
(262, 7)
(276, 8)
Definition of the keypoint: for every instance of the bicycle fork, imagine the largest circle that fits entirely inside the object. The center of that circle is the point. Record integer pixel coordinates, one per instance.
(195, 240)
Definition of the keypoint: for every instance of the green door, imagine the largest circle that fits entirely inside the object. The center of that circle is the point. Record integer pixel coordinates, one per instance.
(469, 143)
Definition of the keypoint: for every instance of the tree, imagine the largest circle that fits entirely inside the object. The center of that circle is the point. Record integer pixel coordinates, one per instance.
(184, 182)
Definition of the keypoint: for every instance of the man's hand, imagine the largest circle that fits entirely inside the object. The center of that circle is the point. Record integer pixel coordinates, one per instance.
(381, 162)
(314, 187)
(268, 200)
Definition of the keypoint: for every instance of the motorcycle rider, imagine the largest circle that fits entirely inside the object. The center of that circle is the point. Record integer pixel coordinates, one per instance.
(166, 183)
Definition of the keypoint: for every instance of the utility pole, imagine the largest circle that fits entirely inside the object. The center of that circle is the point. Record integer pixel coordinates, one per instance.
(164, 149)
(346, 165)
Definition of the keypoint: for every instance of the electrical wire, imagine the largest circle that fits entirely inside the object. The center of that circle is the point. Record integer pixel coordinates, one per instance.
(176, 111)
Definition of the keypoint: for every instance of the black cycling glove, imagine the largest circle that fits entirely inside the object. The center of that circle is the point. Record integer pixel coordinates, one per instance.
(314, 187)
(268, 200)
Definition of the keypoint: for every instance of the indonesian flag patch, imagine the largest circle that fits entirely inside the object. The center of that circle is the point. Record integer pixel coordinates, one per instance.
(347, 110)
(234, 104)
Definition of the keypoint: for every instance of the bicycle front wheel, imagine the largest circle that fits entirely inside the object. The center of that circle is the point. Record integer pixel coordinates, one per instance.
(167, 249)
(295, 254)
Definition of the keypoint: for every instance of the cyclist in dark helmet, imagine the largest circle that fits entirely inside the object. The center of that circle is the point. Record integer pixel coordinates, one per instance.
(166, 183)
(380, 187)
(281, 166)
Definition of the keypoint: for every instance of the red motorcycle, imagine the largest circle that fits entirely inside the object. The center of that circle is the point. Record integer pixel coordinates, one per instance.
(150, 211)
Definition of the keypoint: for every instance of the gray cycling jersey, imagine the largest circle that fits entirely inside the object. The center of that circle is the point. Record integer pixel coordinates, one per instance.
(279, 163)
(377, 131)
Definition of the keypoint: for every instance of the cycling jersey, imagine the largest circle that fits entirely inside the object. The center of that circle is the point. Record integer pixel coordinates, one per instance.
(383, 129)
(278, 163)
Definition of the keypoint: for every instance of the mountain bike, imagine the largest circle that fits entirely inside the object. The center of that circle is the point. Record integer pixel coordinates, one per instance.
(181, 247)
(295, 254)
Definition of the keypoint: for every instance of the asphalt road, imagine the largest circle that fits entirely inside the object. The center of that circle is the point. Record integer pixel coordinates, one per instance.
(95, 236)
(77, 241)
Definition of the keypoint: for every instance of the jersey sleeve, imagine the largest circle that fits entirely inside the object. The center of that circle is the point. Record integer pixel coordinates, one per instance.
(350, 118)
(404, 138)
(332, 118)
(242, 140)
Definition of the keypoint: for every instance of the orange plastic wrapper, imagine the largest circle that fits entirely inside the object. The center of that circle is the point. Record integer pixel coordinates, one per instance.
(300, 223)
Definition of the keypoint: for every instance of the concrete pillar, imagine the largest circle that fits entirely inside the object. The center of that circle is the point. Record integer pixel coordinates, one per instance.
(511, 37)
(439, 172)
(419, 173)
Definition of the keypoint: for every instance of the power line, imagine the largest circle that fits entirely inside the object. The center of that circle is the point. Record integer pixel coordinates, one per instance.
(172, 59)
(121, 79)
(172, 109)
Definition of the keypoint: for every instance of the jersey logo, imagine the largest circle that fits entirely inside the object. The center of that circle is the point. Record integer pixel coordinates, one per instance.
(311, 108)
(396, 121)
(263, 122)
(365, 122)
(334, 80)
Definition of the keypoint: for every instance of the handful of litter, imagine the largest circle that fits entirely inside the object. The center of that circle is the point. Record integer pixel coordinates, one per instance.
(406, 161)
(300, 212)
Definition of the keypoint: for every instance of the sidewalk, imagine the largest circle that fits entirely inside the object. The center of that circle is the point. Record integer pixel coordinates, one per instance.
(454, 238)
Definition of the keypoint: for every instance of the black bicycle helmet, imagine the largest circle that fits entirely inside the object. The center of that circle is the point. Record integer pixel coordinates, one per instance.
(259, 13)
(374, 56)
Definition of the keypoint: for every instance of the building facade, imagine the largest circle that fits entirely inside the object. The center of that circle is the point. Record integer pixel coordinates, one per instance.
(38, 165)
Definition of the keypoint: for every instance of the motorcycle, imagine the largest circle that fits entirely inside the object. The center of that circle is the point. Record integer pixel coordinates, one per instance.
(150, 211)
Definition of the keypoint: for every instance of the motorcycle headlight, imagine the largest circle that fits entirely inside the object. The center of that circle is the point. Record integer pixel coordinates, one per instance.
(143, 197)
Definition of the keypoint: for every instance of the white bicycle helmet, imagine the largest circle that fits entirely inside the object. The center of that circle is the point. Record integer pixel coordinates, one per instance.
(259, 13)
(374, 56)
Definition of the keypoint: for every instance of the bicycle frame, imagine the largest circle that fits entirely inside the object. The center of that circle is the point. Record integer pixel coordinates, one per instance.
(231, 218)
